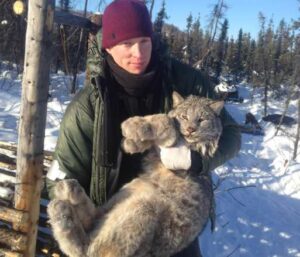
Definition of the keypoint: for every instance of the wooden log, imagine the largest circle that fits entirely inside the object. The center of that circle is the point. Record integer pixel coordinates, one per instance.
(8, 172)
(8, 253)
(8, 166)
(8, 146)
(13, 167)
(66, 18)
(7, 176)
(10, 150)
(12, 215)
(7, 159)
(5, 202)
(35, 87)
(16, 241)
(6, 193)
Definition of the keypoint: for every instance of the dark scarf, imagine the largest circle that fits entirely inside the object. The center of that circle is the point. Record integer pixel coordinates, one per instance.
(133, 84)
(138, 93)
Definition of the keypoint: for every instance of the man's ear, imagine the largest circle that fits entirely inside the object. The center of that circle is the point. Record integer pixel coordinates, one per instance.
(108, 50)
(177, 99)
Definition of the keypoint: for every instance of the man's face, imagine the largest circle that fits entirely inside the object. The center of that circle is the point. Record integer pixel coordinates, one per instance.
(133, 55)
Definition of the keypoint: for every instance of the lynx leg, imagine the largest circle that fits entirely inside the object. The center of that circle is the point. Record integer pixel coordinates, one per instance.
(135, 146)
(127, 234)
(70, 190)
(67, 228)
(164, 129)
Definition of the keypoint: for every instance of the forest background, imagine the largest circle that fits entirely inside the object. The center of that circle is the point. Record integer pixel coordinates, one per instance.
(270, 60)
(270, 57)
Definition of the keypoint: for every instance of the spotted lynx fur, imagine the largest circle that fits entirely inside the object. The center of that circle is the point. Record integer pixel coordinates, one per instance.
(160, 212)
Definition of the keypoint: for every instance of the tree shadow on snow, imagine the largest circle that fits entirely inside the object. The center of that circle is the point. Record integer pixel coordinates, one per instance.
(254, 222)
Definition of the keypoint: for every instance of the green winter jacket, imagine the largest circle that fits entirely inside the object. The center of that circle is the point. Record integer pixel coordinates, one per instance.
(77, 151)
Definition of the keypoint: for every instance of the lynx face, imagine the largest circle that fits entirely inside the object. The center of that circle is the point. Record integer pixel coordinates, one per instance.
(197, 119)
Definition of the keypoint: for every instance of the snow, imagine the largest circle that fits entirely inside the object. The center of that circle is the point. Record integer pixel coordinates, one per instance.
(258, 195)
(257, 192)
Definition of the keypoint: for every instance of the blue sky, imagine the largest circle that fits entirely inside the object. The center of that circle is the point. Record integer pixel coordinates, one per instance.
(241, 13)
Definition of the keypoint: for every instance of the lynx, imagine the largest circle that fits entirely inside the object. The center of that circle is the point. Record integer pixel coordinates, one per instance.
(158, 213)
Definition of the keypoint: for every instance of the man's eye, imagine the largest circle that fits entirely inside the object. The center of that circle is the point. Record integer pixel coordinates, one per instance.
(145, 41)
(126, 44)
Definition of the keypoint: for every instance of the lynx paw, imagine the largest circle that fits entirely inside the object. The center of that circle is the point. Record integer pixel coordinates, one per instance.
(131, 146)
(67, 228)
(61, 215)
(165, 131)
(141, 133)
(137, 129)
(70, 189)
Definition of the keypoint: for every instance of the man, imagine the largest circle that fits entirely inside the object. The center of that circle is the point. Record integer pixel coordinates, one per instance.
(135, 77)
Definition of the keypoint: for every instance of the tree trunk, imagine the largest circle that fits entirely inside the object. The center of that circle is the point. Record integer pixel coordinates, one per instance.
(298, 133)
(35, 87)
(266, 97)
(286, 106)
(151, 7)
(296, 81)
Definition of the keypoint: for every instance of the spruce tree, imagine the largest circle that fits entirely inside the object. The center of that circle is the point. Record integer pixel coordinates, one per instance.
(249, 65)
(238, 66)
(188, 41)
(220, 49)
(264, 58)
(230, 55)
(160, 18)
(196, 41)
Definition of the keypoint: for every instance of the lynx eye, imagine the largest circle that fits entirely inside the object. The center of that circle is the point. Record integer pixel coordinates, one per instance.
(184, 117)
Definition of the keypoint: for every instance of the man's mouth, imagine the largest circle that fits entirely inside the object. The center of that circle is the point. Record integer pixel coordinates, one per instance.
(137, 63)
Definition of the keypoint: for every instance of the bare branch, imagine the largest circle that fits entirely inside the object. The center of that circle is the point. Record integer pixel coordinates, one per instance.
(234, 250)
(238, 187)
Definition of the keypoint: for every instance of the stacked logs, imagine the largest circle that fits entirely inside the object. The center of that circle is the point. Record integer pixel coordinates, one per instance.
(12, 243)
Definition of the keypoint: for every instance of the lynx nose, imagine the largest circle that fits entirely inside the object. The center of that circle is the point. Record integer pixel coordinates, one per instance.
(191, 130)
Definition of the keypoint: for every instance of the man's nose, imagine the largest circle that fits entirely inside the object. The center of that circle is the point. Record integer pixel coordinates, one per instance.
(136, 50)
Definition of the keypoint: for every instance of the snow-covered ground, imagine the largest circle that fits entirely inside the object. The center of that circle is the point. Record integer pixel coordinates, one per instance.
(257, 193)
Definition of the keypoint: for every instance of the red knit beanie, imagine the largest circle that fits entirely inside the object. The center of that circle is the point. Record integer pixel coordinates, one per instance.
(125, 19)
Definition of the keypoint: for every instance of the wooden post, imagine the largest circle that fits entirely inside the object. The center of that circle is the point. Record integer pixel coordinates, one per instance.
(35, 87)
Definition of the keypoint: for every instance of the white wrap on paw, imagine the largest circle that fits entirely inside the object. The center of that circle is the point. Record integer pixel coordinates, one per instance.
(177, 157)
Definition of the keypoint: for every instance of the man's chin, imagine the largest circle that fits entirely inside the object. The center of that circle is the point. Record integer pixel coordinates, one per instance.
(137, 71)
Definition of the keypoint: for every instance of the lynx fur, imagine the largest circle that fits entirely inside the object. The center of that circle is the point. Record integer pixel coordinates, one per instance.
(160, 212)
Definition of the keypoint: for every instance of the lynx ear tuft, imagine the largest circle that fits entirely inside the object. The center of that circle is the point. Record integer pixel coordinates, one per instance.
(177, 99)
(217, 106)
